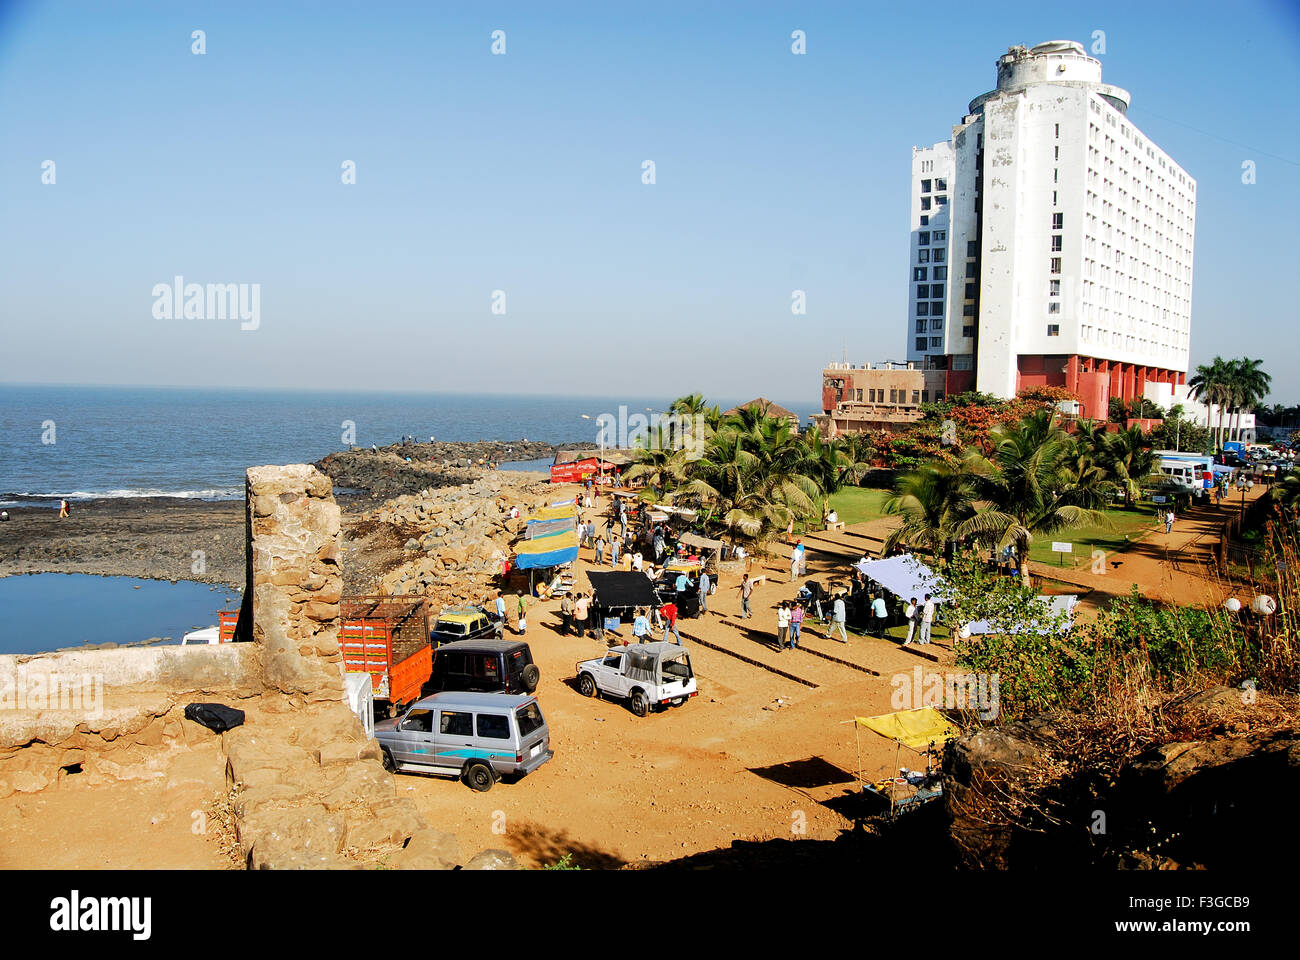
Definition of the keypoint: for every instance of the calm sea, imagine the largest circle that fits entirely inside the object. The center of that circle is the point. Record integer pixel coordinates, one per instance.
(83, 442)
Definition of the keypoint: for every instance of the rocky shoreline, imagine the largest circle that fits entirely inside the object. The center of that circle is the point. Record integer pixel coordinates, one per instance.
(412, 527)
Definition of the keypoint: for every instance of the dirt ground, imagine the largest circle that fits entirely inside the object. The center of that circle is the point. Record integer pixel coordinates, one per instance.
(756, 755)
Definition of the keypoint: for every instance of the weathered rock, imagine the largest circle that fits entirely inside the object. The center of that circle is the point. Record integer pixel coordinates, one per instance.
(394, 822)
(492, 860)
(428, 849)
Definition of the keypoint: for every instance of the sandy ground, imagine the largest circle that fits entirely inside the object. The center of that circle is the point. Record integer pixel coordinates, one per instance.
(756, 755)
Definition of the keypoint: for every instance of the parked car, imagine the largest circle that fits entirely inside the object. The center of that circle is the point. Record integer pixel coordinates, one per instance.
(646, 674)
(478, 737)
(461, 623)
(485, 666)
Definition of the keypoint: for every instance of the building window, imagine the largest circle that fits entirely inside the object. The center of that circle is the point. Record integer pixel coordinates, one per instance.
(923, 309)
(925, 396)
(968, 310)
(970, 271)
(859, 395)
(938, 254)
(936, 343)
(940, 183)
(970, 291)
(1056, 243)
(968, 330)
(920, 343)
(923, 238)
(1055, 175)
(924, 220)
(1054, 288)
(1058, 131)
(1056, 265)
(1058, 221)
(936, 290)
(936, 308)
(925, 203)
(925, 186)
(918, 273)
(940, 273)
(940, 236)
(971, 247)
(1054, 306)
(936, 324)
(1053, 329)
(916, 396)
(923, 256)
(920, 326)
(941, 200)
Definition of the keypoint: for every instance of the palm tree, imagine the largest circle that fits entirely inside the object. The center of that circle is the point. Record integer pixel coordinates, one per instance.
(1210, 386)
(1023, 491)
(1129, 460)
(661, 467)
(933, 501)
(1249, 385)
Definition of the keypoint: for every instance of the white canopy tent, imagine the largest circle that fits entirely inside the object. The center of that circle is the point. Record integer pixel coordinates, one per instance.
(904, 576)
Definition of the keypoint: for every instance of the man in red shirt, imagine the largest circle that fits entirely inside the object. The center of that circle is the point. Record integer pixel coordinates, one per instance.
(669, 613)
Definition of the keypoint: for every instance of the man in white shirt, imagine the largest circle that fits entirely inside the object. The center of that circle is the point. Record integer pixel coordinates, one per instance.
(837, 620)
(927, 620)
(910, 613)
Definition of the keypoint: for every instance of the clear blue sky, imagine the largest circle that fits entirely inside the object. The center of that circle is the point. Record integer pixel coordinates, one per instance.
(523, 173)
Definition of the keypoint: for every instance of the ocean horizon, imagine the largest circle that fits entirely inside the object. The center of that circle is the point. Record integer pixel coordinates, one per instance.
(95, 442)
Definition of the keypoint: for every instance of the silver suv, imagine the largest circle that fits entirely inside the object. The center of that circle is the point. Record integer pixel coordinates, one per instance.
(478, 737)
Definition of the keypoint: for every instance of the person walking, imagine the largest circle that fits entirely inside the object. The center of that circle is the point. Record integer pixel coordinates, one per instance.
(63, 509)
(794, 566)
(746, 591)
(566, 614)
(879, 614)
(837, 619)
(927, 620)
(613, 551)
(799, 555)
(910, 614)
(796, 622)
(640, 626)
(683, 583)
(668, 614)
(501, 609)
(704, 592)
(600, 550)
(1169, 521)
(580, 613)
(782, 625)
(523, 613)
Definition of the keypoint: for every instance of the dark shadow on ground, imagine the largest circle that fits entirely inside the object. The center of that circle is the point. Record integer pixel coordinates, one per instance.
(807, 773)
(548, 847)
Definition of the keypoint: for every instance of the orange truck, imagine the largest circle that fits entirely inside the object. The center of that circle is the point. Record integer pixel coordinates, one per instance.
(385, 637)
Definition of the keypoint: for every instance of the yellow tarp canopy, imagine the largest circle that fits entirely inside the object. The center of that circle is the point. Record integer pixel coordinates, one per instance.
(554, 513)
(559, 541)
(912, 728)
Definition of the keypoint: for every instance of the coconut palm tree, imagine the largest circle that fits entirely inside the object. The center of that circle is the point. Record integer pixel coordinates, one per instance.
(1210, 385)
(661, 467)
(1248, 386)
(933, 501)
(1022, 490)
(1129, 460)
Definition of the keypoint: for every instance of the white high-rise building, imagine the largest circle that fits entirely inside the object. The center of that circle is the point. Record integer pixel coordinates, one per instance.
(1051, 240)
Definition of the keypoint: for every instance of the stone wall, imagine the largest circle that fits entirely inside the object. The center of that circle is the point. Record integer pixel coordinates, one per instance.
(295, 579)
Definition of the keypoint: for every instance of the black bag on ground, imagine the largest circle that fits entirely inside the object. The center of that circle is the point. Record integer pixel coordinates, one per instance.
(215, 716)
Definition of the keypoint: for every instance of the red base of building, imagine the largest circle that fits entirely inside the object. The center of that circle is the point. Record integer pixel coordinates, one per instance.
(1092, 380)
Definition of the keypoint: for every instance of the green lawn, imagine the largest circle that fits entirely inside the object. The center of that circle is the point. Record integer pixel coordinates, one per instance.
(1126, 527)
(855, 504)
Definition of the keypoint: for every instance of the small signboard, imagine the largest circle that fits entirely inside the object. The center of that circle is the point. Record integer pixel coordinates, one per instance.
(1062, 549)
(1159, 498)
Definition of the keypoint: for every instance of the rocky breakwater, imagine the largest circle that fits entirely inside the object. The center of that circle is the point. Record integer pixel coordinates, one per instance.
(452, 541)
(413, 467)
